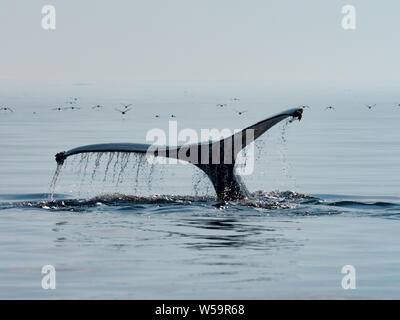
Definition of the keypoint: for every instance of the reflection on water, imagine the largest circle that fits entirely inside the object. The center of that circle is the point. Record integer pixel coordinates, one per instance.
(147, 247)
(231, 233)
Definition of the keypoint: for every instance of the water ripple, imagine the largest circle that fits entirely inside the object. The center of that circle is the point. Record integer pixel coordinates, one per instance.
(274, 203)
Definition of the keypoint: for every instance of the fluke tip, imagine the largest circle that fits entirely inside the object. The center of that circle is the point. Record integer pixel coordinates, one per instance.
(60, 157)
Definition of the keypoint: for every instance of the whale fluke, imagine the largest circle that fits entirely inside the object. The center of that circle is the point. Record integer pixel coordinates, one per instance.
(216, 159)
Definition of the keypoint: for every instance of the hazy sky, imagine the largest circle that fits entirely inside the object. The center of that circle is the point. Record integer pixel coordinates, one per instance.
(209, 40)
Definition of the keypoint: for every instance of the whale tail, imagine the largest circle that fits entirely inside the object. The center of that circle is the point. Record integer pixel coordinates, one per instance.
(216, 159)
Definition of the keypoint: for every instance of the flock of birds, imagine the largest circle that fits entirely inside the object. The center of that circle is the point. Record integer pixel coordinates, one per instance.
(72, 104)
(368, 106)
(331, 108)
(238, 112)
(124, 109)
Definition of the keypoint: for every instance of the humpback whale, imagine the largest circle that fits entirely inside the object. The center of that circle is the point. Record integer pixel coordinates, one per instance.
(227, 184)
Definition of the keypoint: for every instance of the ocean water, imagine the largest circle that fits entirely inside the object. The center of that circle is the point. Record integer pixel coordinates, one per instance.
(326, 193)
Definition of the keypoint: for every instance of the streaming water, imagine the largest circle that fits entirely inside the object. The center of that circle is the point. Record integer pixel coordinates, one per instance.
(283, 151)
(53, 182)
(110, 159)
(97, 164)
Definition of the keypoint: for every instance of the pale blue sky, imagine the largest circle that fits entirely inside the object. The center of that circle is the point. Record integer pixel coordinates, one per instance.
(266, 41)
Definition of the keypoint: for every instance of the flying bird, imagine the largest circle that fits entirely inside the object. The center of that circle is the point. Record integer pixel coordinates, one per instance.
(221, 105)
(6, 109)
(370, 106)
(240, 112)
(235, 99)
(97, 107)
(123, 111)
(58, 108)
(126, 106)
(330, 108)
(305, 107)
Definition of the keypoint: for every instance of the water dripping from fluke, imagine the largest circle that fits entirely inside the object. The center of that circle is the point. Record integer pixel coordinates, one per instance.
(54, 180)
(110, 159)
(116, 168)
(226, 183)
(124, 164)
(283, 151)
(97, 164)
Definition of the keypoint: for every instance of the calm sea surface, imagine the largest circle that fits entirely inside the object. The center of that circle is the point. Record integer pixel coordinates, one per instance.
(326, 194)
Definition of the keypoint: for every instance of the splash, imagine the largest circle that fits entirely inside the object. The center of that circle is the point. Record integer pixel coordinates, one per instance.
(276, 203)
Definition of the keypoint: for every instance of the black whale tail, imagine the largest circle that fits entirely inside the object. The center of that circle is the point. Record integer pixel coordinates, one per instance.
(216, 159)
